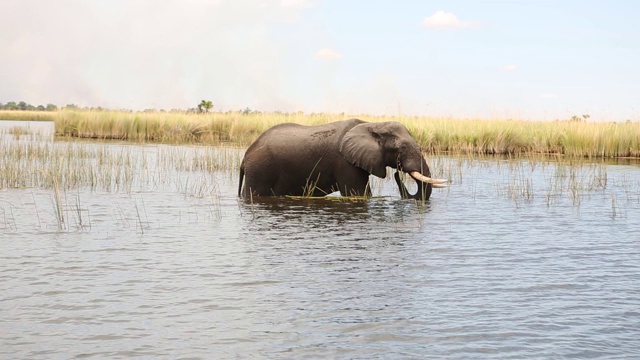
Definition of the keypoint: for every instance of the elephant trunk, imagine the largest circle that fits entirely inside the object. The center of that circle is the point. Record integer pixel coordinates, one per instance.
(424, 182)
(423, 193)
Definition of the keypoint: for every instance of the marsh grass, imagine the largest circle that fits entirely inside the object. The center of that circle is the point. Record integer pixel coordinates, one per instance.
(576, 139)
(29, 162)
(174, 127)
(8, 219)
(28, 115)
(18, 131)
(62, 166)
(562, 181)
(513, 137)
(65, 166)
(64, 170)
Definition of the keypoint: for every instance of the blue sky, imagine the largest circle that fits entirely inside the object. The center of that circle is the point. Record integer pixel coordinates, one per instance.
(540, 60)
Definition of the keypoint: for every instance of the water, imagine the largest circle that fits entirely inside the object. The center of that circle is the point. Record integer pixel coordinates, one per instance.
(516, 259)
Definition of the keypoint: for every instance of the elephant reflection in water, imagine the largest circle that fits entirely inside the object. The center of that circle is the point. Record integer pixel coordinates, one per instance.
(298, 160)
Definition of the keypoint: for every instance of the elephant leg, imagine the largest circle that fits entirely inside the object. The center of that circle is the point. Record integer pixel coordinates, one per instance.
(354, 182)
(260, 180)
(257, 189)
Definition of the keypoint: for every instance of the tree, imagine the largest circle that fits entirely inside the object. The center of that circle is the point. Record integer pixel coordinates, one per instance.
(205, 106)
(51, 107)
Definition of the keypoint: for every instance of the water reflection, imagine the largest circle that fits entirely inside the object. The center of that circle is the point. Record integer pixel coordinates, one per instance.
(346, 254)
(270, 214)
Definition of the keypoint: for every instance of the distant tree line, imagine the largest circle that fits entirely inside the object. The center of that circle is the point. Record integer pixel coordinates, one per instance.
(203, 107)
(21, 105)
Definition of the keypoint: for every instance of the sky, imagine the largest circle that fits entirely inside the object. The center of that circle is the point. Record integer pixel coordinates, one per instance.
(524, 59)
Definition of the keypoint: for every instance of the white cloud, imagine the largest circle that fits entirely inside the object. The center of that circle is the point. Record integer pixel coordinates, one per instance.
(548, 96)
(510, 67)
(328, 54)
(447, 20)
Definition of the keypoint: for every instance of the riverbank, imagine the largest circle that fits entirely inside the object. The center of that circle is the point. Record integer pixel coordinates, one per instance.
(436, 135)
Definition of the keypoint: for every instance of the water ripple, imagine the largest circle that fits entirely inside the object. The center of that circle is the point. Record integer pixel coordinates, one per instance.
(469, 275)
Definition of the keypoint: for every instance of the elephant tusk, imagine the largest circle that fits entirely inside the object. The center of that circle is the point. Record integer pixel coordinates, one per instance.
(439, 186)
(425, 179)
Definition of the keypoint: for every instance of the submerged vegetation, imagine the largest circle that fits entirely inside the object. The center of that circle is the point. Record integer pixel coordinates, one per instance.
(574, 138)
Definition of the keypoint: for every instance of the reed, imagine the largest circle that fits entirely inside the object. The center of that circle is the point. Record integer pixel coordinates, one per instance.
(174, 127)
(516, 137)
(575, 139)
(68, 165)
(28, 115)
(559, 182)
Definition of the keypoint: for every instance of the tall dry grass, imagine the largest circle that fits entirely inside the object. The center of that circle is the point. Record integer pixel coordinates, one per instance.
(515, 137)
(172, 127)
(434, 134)
(28, 115)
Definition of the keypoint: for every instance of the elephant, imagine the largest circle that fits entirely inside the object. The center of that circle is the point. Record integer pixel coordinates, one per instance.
(298, 160)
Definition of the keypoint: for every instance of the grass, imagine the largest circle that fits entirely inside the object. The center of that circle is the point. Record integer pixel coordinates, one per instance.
(575, 139)
(28, 115)
(177, 128)
(68, 165)
(28, 162)
(63, 167)
(513, 137)
(555, 182)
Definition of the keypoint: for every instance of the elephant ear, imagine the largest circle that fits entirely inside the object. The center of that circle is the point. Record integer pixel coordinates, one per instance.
(361, 147)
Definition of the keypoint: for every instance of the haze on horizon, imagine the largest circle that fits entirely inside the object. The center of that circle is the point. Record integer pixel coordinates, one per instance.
(530, 59)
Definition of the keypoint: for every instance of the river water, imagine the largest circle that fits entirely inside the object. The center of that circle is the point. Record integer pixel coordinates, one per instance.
(517, 259)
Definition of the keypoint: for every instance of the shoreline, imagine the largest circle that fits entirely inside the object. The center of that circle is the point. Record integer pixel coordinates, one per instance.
(570, 138)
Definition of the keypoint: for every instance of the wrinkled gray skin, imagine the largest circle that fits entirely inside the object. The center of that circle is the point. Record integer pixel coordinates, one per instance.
(292, 159)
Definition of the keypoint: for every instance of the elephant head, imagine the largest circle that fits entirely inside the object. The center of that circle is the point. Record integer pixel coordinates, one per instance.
(374, 146)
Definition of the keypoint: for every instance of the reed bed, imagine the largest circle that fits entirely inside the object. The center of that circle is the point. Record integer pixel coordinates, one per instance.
(534, 180)
(28, 115)
(197, 171)
(99, 167)
(66, 167)
(515, 137)
(175, 127)
(575, 139)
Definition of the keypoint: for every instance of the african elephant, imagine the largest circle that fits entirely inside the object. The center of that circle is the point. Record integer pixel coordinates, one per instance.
(292, 159)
